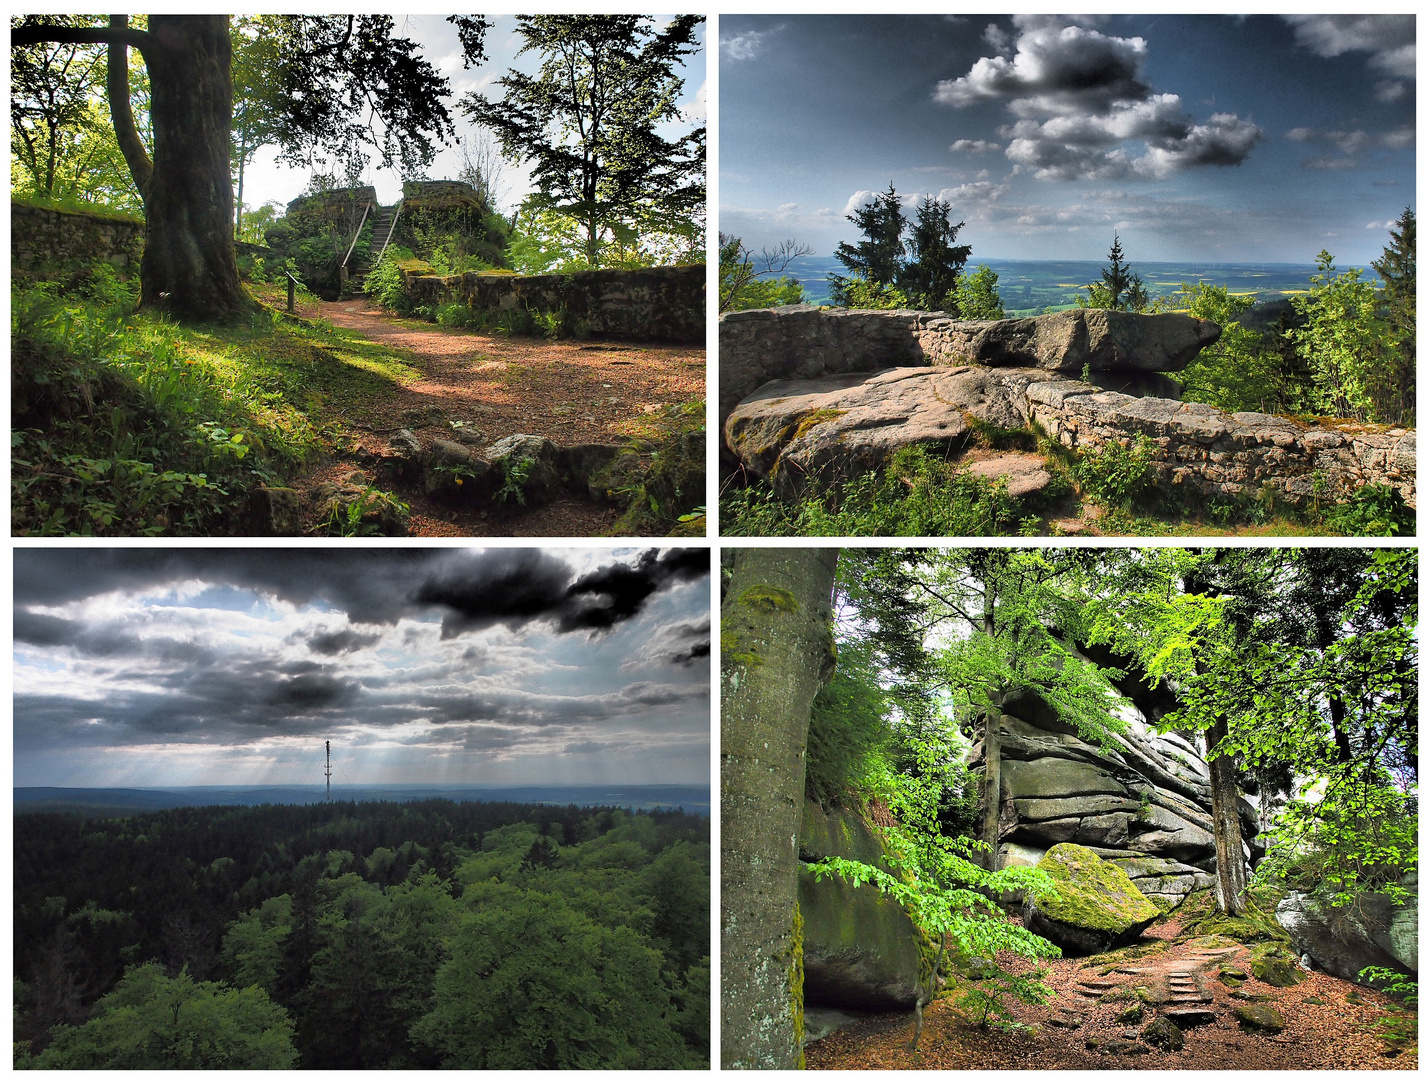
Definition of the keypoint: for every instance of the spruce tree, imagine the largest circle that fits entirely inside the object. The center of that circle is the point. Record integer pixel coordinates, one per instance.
(929, 277)
(1118, 289)
(878, 258)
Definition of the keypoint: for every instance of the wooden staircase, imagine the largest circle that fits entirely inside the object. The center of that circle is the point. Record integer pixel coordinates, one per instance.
(382, 226)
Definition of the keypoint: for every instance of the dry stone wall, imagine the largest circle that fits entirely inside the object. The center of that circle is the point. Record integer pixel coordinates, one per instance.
(658, 303)
(41, 237)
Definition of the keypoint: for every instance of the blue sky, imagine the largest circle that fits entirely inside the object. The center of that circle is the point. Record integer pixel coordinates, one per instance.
(1197, 138)
(267, 179)
(141, 667)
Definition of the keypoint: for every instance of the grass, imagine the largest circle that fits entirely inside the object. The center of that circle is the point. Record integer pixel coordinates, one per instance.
(920, 494)
(126, 424)
(75, 206)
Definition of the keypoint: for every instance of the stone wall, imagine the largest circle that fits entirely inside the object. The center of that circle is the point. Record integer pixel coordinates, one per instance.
(1211, 453)
(1199, 449)
(659, 303)
(42, 237)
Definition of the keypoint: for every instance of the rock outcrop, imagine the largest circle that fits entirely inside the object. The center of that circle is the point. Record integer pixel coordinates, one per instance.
(1141, 801)
(1095, 906)
(860, 950)
(885, 379)
(1372, 932)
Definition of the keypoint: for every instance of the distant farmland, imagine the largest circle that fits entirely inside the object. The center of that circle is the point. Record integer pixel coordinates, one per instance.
(1029, 287)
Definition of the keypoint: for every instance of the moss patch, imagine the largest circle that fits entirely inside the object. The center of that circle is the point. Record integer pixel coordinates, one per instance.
(768, 598)
(814, 418)
(732, 650)
(795, 983)
(1091, 892)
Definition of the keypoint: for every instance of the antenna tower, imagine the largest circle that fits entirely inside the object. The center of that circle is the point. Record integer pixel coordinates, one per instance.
(329, 770)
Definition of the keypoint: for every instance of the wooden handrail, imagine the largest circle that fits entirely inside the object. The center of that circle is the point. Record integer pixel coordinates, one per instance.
(357, 235)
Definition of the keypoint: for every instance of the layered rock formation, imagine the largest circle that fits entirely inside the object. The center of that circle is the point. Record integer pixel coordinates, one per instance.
(812, 396)
(860, 949)
(1141, 801)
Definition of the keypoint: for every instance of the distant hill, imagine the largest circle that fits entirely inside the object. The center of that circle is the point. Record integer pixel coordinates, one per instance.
(1028, 285)
(115, 802)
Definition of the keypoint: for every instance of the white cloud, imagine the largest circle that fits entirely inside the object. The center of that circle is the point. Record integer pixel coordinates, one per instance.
(974, 146)
(1080, 96)
(745, 46)
(1391, 39)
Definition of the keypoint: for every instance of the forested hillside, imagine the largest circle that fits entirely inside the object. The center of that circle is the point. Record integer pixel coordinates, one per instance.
(363, 935)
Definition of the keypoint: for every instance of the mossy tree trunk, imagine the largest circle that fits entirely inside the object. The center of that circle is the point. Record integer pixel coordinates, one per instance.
(776, 652)
(991, 790)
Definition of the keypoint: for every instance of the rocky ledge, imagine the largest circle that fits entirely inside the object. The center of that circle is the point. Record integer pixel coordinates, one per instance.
(813, 397)
(823, 431)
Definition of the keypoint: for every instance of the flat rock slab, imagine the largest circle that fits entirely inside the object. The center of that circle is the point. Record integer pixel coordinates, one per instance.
(1068, 341)
(1025, 474)
(1188, 1018)
(804, 432)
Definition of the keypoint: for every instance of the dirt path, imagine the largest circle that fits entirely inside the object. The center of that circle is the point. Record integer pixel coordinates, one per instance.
(1325, 1028)
(493, 386)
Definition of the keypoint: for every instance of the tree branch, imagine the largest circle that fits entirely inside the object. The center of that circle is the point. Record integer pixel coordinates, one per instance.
(121, 112)
(39, 33)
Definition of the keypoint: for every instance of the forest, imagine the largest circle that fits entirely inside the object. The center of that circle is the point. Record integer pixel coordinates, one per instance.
(363, 935)
(1056, 808)
(167, 380)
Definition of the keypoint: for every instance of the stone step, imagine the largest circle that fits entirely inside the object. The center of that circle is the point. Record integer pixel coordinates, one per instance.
(1188, 1018)
(1098, 984)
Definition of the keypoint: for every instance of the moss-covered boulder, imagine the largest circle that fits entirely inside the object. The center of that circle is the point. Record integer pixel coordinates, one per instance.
(860, 950)
(1096, 907)
(1260, 1018)
(1276, 964)
(1165, 1034)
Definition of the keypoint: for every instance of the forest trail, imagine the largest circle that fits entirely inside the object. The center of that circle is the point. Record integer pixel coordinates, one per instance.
(489, 386)
(1080, 1027)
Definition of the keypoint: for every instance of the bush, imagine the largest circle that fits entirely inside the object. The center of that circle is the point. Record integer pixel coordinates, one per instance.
(1117, 475)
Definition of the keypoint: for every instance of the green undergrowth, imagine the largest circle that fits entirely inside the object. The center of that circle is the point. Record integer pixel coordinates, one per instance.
(662, 479)
(126, 424)
(918, 494)
(922, 494)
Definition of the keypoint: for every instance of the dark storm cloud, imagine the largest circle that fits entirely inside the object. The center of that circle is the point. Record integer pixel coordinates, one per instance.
(542, 710)
(475, 589)
(533, 586)
(1079, 95)
(681, 643)
(336, 642)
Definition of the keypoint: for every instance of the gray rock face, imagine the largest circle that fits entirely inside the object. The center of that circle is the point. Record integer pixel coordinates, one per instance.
(1205, 452)
(860, 950)
(1068, 341)
(1141, 801)
(1343, 941)
(820, 432)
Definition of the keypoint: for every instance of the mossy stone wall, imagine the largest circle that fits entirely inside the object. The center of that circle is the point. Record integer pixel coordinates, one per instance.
(42, 237)
(657, 303)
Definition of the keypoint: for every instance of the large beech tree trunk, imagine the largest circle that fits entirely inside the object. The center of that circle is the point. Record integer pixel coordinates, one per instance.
(777, 651)
(1232, 874)
(189, 266)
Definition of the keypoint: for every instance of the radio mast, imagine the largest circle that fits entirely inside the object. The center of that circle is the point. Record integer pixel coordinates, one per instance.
(329, 770)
